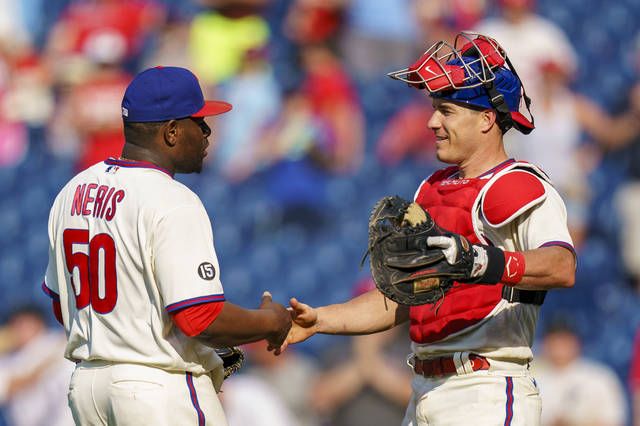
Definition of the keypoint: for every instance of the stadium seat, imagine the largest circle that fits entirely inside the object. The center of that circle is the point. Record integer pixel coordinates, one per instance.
(10, 222)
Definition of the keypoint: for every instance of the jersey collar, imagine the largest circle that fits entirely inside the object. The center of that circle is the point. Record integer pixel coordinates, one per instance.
(111, 161)
(493, 170)
(455, 174)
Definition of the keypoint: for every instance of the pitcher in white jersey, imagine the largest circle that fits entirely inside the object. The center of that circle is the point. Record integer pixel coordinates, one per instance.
(134, 276)
(471, 353)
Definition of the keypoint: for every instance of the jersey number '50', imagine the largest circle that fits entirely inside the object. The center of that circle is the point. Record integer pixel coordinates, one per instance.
(87, 291)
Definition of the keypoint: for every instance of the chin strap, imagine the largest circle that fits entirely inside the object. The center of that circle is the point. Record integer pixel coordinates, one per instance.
(500, 105)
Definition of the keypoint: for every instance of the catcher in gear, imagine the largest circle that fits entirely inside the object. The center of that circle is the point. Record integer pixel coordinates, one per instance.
(488, 232)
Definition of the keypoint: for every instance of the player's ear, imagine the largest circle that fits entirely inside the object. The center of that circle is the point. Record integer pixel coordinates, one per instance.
(170, 132)
(488, 119)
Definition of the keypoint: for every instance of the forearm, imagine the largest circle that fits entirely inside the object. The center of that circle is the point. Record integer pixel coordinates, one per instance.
(547, 268)
(336, 386)
(392, 383)
(29, 378)
(539, 269)
(237, 326)
(610, 132)
(365, 314)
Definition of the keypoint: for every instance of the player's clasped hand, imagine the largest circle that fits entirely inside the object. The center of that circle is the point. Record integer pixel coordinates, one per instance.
(282, 319)
(304, 321)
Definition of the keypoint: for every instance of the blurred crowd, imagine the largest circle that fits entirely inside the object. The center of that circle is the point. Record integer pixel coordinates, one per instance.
(306, 78)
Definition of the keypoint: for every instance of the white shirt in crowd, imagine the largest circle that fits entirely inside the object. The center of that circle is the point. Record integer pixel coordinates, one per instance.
(583, 393)
(44, 402)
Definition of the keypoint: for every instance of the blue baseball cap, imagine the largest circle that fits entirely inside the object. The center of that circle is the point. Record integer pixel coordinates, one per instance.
(506, 83)
(167, 93)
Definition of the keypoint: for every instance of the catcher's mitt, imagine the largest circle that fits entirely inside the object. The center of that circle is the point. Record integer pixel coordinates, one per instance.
(232, 358)
(404, 268)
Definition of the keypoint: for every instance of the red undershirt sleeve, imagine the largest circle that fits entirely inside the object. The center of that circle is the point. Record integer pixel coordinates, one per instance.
(57, 310)
(634, 371)
(193, 320)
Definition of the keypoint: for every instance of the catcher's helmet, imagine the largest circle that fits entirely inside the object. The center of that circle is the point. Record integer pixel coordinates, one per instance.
(475, 70)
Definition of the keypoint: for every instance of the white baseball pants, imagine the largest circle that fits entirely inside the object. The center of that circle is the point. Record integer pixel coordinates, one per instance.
(102, 393)
(482, 398)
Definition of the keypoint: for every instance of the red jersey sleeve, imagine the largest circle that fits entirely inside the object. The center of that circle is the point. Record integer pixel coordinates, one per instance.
(193, 320)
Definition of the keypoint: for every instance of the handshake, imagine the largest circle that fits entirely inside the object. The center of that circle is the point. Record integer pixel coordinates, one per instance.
(236, 326)
(289, 325)
(279, 318)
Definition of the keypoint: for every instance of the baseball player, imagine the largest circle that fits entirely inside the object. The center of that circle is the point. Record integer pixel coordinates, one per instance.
(471, 351)
(133, 272)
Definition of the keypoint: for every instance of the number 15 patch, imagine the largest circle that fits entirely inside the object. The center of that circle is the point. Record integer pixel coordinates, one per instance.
(206, 271)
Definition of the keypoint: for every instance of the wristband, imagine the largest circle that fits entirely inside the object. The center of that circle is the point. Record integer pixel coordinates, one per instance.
(513, 267)
(494, 258)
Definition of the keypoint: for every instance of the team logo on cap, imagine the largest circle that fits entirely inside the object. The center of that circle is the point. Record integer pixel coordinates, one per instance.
(206, 271)
(125, 112)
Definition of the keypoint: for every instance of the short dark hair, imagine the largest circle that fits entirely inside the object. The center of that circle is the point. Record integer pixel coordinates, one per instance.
(561, 323)
(139, 131)
(29, 309)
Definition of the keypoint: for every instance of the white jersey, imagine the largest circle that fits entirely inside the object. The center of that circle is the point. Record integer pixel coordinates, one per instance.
(583, 392)
(127, 246)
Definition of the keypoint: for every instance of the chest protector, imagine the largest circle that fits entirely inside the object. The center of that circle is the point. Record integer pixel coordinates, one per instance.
(450, 202)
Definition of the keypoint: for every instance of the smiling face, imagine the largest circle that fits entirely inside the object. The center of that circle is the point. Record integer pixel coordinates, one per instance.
(192, 145)
(457, 129)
